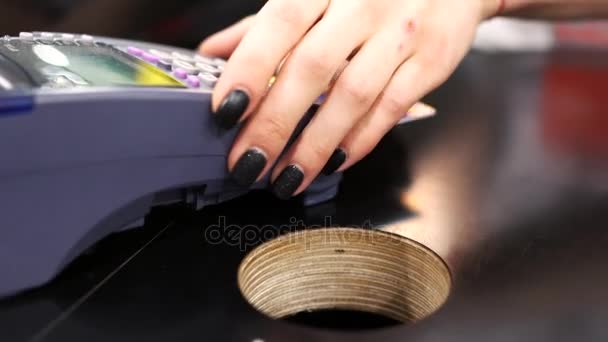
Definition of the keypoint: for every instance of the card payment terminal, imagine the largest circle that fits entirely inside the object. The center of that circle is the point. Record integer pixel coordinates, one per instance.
(94, 132)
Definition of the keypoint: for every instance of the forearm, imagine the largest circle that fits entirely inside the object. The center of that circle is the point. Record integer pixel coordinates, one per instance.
(556, 9)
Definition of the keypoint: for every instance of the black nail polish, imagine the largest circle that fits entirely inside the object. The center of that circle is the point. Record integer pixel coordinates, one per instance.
(232, 109)
(335, 161)
(288, 182)
(248, 168)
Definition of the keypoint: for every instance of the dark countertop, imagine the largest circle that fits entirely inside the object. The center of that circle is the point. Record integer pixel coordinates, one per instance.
(509, 183)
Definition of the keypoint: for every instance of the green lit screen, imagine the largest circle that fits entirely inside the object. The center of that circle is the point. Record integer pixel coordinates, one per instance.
(95, 65)
(105, 67)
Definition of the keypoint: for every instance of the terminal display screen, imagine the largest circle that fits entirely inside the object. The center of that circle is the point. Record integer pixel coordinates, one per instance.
(84, 65)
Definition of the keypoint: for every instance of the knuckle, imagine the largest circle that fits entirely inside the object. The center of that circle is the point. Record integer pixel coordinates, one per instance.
(273, 130)
(438, 66)
(395, 103)
(353, 90)
(287, 12)
(313, 63)
(262, 63)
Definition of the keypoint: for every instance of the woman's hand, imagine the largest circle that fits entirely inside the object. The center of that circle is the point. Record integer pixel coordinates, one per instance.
(377, 58)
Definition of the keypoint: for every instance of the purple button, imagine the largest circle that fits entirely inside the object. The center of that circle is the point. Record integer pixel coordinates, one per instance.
(150, 58)
(135, 51)
(193, 81)
(180, 73)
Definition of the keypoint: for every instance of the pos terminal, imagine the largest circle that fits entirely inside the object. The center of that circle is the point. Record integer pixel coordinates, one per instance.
(94, 132)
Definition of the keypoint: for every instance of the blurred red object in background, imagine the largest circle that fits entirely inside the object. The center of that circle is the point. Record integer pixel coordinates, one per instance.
(590, 33)
(575, 109)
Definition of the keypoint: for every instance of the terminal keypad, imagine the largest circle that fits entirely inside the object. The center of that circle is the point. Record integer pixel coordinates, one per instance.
(193, 70)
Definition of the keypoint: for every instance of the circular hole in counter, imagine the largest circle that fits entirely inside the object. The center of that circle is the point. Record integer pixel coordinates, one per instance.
(344, 278)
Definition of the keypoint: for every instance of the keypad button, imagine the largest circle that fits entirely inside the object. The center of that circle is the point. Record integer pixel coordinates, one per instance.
(135, 51)
(65, 42)
(160, 54)
(189, 68)
(86, 39)
(206, 68)
(183, 57)
(203, 59)
(193, 81)
(150, 58)
(219, 62)
(180, 73)
(208, 80)
(65, 39)
(47, 35)
(26, 36)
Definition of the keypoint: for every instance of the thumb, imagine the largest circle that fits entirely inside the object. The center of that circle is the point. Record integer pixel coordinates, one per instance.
(224, 42)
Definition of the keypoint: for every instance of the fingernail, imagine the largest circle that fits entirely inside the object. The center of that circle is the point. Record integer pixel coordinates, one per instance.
(335, 161)
(248, 167)
(232, 109)
(288, 182)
